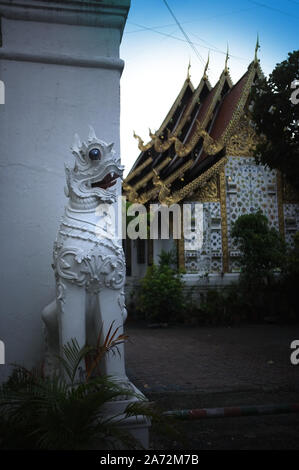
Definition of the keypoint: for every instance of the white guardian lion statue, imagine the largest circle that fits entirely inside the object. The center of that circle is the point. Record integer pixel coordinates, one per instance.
(88, 263)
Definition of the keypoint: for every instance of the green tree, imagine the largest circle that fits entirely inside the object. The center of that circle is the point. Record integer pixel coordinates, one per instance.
(262, 248)
(276, 119)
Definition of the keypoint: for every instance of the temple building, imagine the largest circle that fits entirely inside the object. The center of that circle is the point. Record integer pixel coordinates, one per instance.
(203, 155)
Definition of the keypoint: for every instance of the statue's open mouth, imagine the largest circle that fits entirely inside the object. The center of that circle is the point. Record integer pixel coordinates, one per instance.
(107, 182)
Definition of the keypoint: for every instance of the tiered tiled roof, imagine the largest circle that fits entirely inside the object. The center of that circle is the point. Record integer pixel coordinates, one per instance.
(191, 143)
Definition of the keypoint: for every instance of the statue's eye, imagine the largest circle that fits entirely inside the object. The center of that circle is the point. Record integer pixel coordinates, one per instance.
(94, 154)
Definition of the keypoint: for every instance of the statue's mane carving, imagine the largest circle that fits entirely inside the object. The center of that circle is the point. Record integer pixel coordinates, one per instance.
(94, 173)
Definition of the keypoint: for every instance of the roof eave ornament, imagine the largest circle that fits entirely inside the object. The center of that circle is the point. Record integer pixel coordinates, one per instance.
(226, 71)
(257, 46)
(188, 71)
(205, 74)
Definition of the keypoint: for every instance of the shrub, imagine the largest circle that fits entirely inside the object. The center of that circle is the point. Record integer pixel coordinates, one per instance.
(259, 295)
(160, 297)
(262, 249)
(226, 306)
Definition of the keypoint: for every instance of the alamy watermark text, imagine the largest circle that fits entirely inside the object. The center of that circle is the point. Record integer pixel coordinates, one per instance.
(295, 354)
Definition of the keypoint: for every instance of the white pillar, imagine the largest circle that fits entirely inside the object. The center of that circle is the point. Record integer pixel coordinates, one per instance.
(60, 65)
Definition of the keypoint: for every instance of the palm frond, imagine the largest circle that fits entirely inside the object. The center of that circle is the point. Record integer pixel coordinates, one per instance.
(59, 412)
(73, 355)
(110, 343)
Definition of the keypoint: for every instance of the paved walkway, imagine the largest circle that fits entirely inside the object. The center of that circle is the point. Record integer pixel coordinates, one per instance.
(251, 357)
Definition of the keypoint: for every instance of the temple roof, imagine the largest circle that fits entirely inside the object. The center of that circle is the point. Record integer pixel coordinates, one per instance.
(190, 145)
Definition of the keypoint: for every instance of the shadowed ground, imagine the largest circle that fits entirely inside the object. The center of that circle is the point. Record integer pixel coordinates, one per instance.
(193, 367)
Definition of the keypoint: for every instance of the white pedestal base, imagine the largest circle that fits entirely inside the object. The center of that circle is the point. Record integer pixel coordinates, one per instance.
(138, 425)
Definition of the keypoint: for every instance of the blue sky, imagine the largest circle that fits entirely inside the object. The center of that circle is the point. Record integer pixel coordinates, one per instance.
(157, 54)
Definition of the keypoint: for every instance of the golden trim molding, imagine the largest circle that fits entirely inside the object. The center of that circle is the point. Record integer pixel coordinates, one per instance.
(243, 141)
(138, 170)
(209, 192)
(224, 229)
(144, 197)
(151, 174)
(200, 180)
(239, 110)
(176, 104)
(191, 105)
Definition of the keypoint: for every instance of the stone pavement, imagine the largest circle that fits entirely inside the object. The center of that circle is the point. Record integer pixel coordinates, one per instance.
(211, 359)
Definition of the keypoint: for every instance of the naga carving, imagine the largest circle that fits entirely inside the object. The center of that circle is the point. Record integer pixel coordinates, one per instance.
(88, 259)
(211, 146)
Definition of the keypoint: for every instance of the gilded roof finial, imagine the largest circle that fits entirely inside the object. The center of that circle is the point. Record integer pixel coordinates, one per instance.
(188, 71)
(205, 76)
(151, 134)
(257, 46)
(226, 61)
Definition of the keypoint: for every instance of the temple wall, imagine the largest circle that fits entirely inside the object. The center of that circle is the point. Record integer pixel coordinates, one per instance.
(209, 258)
(248, 187)
(210, 255)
